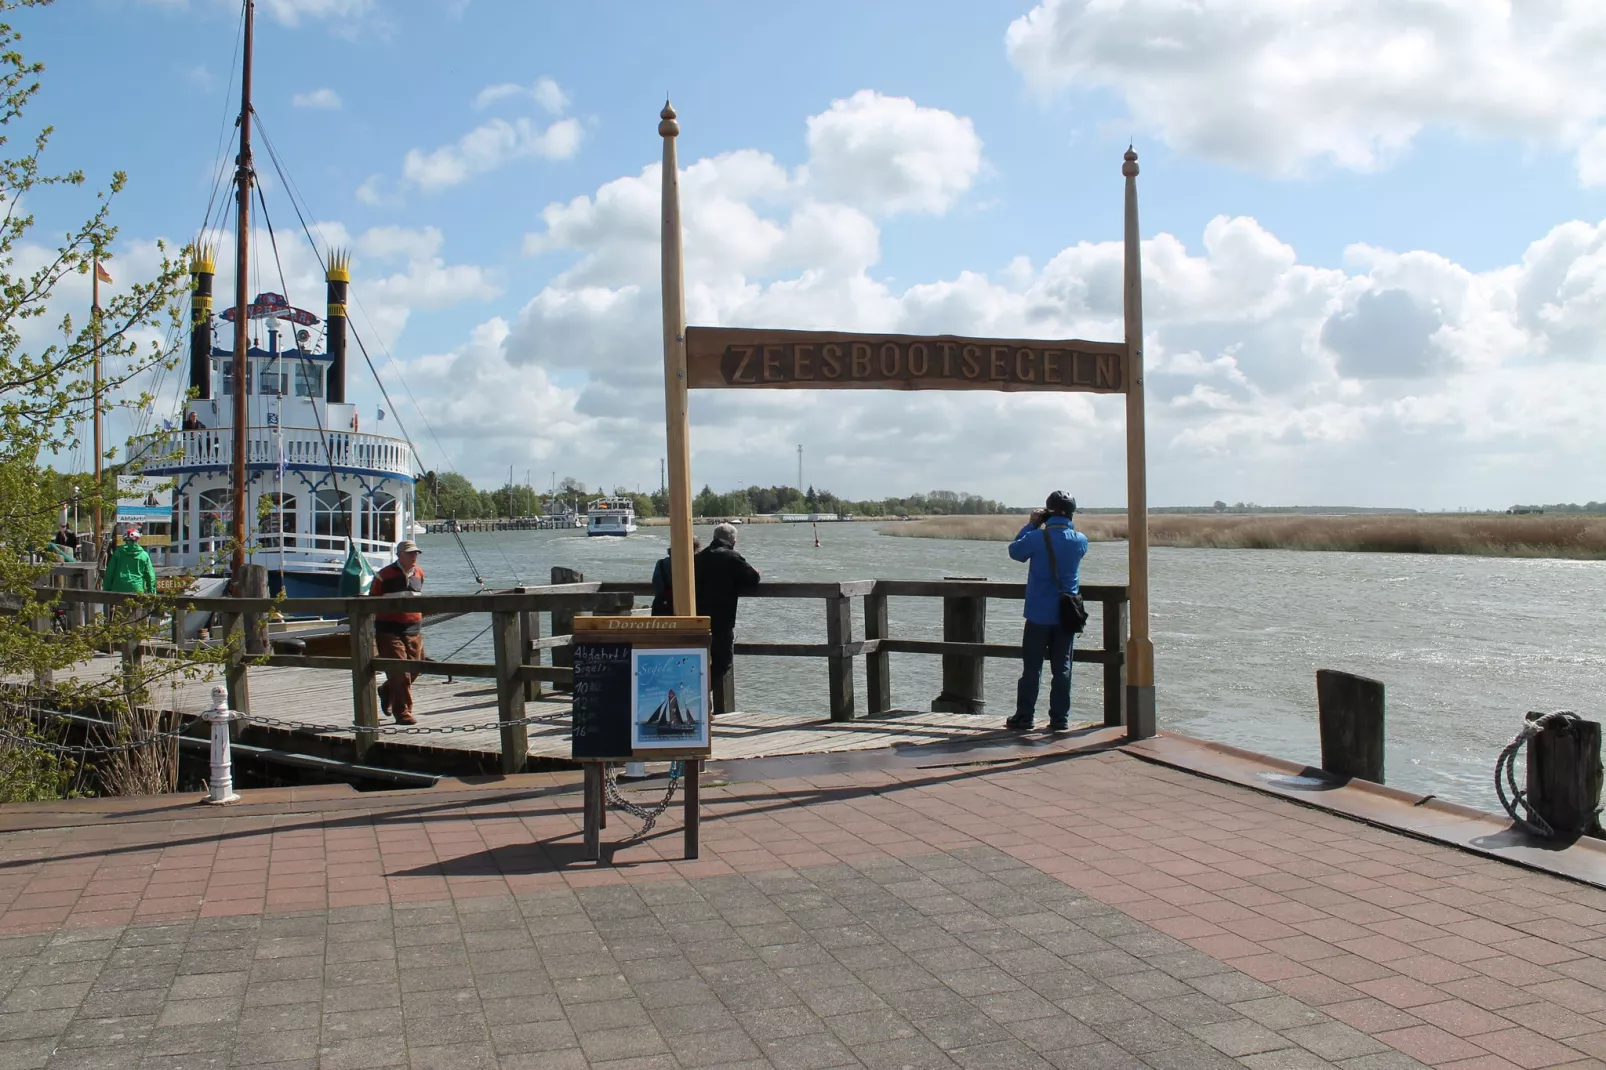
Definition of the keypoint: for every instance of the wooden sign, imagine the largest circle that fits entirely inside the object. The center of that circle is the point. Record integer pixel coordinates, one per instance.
(640, 688)
(739, 357)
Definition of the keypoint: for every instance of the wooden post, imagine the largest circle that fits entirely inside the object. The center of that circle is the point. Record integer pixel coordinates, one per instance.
(43, 624)
(1350, 708)
(78, 613)
(1140, 712)
(1564, 775)
(235, 679)
(529, 654)
(1114, 614)
(725, 692)
(592, 810)
(877, 664)
(694, 807)
(563, 623)
(510, 690)
(252, 582)
(677, 420)
(839, 666)
(364, 695)
(964, 620)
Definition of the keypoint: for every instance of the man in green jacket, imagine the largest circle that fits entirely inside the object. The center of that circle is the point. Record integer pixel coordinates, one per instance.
(129, 567)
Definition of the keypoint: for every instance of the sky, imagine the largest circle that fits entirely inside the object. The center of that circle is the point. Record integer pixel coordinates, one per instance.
(1374, 235)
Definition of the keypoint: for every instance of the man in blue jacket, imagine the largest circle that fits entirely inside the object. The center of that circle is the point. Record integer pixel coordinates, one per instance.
(1043, 632)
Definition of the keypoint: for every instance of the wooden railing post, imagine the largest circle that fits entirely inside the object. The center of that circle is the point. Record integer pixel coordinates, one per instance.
(510, 690)
(529, 653)
(964, 620)
(839, 665)
(1114, 614)
(235, 679)
(44, 624)
(364, 693)
(253, 583)
(878, 663)
(563, 623)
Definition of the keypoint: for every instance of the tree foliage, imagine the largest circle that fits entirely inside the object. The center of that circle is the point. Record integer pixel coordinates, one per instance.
(47, 390)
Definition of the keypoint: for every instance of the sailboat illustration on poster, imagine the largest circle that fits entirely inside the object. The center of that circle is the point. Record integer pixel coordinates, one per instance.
(669, 698)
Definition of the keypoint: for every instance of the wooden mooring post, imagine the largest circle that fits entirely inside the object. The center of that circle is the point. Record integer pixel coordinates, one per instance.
(364, 691)
(563, 624)
(964, 620)
(510, 690)
(1350, 710)
(878, 663)
(1564, 774)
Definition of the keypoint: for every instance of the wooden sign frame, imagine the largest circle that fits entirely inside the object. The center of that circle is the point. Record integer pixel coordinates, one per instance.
(727, 358)
(645, 633)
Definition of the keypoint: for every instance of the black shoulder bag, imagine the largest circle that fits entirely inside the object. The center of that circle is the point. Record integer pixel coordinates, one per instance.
(1073, 611)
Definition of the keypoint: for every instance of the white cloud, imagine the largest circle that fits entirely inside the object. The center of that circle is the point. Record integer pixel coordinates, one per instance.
(488, 147)
(545, 92)
(291, 12)
(1269, 379)
(324, 99)
(890, 155)
(1275, 85)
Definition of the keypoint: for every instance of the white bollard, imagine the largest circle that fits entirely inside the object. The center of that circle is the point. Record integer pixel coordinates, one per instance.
(221, 785)
(635, 770)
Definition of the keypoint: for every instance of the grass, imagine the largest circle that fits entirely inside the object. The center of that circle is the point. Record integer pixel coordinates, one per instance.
(1582, 537)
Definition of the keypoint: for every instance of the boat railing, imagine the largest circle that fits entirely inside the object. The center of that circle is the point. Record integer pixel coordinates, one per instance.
(516, 619)
(301, 447)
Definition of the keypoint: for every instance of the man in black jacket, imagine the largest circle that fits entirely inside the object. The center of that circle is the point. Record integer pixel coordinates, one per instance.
(722, 575)
(663, 583)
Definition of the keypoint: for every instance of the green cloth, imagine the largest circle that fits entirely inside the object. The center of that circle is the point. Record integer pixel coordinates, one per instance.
(357, 575)
(129, 570)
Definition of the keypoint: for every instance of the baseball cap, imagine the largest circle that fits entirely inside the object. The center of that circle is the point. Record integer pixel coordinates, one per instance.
(406, 546)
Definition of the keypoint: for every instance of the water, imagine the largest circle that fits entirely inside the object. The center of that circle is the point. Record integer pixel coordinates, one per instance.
(1465, 645)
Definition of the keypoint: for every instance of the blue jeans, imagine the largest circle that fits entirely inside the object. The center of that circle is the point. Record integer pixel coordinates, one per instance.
(1054, 642)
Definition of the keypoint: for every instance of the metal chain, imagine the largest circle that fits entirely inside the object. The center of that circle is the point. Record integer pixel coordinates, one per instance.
(90, 748)
(403, 730)
(648, 815)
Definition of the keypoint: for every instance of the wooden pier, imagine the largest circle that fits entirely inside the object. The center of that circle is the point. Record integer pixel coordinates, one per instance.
(512, 714)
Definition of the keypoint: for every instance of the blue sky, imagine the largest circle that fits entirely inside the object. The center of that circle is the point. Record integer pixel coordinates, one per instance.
(948, 141)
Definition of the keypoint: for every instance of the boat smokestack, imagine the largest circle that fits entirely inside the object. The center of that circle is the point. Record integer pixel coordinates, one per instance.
(338, 277)
(202, 267)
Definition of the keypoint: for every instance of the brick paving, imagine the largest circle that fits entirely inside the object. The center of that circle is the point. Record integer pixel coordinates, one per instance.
(1091, 912)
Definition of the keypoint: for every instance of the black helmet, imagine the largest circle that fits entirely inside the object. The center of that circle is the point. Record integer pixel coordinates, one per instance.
(1060, 504)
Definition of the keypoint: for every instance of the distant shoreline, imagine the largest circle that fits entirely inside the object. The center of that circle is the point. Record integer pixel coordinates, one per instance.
(1571, 537)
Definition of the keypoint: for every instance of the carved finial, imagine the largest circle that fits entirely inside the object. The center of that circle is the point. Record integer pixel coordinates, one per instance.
(668, 128)
(1130, 167)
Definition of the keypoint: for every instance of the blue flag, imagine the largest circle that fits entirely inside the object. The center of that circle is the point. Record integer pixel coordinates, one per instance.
(381, 414)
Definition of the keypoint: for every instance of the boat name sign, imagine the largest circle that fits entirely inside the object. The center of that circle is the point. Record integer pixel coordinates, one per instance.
(724, 357)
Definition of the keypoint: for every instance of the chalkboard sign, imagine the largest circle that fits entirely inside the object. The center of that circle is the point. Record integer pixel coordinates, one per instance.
(601, 717)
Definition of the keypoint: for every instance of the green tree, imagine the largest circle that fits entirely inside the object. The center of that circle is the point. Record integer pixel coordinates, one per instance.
(47, 390)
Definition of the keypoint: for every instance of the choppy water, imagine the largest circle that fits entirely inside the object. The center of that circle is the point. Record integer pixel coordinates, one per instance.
(1464, 644)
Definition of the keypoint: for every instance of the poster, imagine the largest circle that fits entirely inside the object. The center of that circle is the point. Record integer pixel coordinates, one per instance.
(669, 698)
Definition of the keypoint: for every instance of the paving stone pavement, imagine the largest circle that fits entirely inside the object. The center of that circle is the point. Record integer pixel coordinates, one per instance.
(1090, 912)
(965, 959)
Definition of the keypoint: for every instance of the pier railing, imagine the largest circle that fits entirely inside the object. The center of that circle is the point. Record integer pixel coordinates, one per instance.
(517, 642)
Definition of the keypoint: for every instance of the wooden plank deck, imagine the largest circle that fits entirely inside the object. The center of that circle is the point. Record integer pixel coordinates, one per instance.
(307, 698)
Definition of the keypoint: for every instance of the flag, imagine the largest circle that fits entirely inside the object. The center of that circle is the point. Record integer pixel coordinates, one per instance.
(101, 273)
(381, 414)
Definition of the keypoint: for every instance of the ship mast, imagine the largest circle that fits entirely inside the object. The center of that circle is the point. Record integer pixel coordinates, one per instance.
(242, 378)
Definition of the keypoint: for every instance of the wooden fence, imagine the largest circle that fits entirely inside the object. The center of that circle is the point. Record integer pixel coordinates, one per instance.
(517, 642)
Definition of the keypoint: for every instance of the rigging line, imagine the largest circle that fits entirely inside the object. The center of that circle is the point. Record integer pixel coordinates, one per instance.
(294, 193)
(306, 362)
(224, 124)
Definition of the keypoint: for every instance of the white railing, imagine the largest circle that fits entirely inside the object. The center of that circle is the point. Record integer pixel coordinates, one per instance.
(171, 450)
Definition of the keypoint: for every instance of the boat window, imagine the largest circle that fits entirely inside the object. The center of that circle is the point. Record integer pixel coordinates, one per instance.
(215, 512)
(330, 508)
(274, 379)
(279, 516)
(309, 379)
(228, 377)
(379, 518)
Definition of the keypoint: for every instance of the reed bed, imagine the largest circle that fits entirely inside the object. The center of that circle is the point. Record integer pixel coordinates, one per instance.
(1579, 537)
